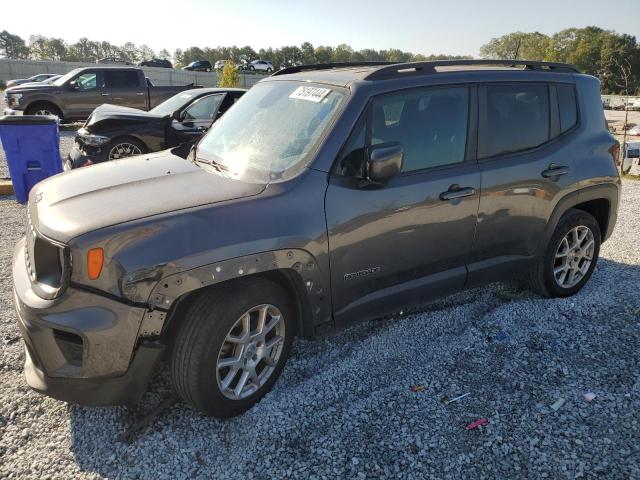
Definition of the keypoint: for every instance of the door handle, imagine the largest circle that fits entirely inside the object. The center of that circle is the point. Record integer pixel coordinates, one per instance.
(106, 94)
(139, 93)
(457, 192)
(555, 171)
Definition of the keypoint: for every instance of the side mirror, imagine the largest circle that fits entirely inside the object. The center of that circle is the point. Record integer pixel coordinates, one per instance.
(73, 85)
(384, 162)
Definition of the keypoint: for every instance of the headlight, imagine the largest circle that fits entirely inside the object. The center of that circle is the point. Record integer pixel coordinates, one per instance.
(93, 140)
(13, 99)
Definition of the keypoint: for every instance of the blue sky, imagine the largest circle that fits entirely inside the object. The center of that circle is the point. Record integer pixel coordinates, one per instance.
(430, 26)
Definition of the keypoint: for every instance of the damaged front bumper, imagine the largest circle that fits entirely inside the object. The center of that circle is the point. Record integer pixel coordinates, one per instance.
(82, 156)
(82, 347)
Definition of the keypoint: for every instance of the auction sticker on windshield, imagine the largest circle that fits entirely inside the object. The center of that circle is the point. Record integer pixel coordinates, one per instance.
(312, 94)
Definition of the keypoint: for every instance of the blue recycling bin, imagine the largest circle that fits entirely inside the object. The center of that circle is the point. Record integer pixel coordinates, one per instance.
(32, 148)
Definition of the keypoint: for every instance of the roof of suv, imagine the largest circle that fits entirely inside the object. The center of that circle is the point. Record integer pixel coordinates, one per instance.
(343, 74)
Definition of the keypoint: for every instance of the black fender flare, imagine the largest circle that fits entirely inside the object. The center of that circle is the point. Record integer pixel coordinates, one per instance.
(607, 191)
(295, 263)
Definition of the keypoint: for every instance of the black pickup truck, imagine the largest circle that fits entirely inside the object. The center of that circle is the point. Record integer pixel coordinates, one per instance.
(75, 95)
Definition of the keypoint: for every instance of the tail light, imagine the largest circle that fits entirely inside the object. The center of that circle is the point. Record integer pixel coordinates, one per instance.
(615, 152)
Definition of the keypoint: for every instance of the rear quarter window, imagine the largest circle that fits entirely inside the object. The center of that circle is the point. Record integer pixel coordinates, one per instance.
(567, 106)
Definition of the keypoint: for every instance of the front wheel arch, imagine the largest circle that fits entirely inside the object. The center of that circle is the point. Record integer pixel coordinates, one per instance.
(289, 280)
(38, 105)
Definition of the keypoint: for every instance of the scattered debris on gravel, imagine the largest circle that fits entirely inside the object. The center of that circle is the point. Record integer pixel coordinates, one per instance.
(554, 392)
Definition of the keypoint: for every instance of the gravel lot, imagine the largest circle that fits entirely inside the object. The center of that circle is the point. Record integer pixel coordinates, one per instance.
(343, 406)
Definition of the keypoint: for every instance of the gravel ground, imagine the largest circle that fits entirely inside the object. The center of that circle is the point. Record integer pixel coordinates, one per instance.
(343, 406)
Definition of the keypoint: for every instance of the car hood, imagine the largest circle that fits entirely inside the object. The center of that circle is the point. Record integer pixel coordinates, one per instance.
(83, 200)
(34, 87)
(107, 114)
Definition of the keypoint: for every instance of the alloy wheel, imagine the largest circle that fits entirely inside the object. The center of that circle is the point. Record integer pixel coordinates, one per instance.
(43, 111)
(250, 352)
(573, 256)
(122, 150)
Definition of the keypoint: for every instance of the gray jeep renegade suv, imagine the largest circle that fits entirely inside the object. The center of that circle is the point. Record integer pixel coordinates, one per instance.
(327, 195)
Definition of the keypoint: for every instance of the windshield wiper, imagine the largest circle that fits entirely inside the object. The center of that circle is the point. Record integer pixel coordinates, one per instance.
(212, 163)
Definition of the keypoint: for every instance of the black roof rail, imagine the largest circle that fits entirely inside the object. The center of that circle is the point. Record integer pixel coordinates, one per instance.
(327, 66)
(426, 68)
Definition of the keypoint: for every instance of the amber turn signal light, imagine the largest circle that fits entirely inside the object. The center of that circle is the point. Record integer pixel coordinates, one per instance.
(95, 259)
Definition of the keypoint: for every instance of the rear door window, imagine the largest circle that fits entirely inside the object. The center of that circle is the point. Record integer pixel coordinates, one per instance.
(121, 79)
(567, 106)
(513, 118)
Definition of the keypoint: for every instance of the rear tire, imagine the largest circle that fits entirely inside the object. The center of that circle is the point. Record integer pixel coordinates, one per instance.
(570, 257)
(208, 368)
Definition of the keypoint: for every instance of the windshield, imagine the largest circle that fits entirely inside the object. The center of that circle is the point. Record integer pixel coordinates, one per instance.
(271, 130)
(172, 104)
(65, 78)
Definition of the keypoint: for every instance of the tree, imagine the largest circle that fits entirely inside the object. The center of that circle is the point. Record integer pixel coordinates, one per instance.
(245, 54)
(192, 54)
(369, 55)
(178, 58)
(145, 52)
(324, 54)
(617, 50)
(342, 53)
(517, 45)
(56, 49)
(164, 54)
(590, 49)
(623, 66)
(288, 56)
(106, 49)
(129, 52)
(37, 47)
(308, 54)
(12, 46)
(229, 76)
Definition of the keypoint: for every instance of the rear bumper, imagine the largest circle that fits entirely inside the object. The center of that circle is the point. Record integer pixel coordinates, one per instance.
(82, 346)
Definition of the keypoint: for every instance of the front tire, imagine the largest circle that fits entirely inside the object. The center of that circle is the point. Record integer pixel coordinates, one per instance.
(570, 257)
(124, 147)
(43, 109)
(233, 346)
